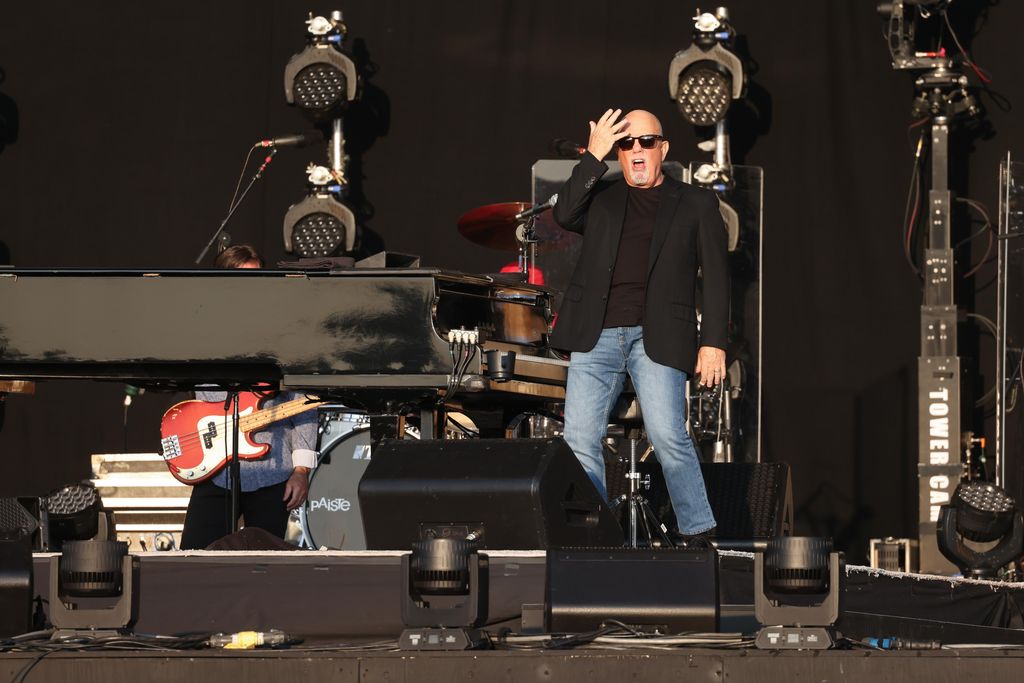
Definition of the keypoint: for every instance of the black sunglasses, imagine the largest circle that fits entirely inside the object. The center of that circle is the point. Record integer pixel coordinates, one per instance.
(646, 142)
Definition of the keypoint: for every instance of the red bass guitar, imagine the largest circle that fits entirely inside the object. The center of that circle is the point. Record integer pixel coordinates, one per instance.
(196, 435)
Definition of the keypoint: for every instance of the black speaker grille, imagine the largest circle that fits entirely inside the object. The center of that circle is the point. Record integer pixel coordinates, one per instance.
(748, 499)
(15, 519)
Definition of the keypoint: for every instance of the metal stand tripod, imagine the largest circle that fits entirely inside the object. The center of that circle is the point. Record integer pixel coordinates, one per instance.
(640, 514)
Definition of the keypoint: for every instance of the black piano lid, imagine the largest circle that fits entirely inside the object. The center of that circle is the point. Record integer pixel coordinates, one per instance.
(170, 326)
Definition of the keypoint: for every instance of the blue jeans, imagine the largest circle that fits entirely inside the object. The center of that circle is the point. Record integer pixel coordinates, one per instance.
(596, 378)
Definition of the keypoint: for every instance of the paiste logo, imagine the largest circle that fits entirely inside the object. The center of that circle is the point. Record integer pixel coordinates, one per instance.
(330, 504)
(938, 450)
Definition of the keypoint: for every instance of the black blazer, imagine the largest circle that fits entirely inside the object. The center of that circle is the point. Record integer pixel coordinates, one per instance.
(688, 233)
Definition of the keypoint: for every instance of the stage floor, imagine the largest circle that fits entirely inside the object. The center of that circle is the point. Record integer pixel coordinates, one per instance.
(592, 666)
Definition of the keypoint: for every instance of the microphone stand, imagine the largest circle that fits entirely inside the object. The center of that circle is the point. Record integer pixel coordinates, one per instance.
(234, 465)
(231, 211)
(234, 470)
(526, 235)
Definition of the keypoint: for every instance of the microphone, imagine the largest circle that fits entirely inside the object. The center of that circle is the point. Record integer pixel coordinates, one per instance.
(131, 391)
(310, 137)
(566, 148)
(537, 208)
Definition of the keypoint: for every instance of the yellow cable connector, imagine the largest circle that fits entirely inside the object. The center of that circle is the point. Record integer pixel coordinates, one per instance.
(245, 640)
(248, 640)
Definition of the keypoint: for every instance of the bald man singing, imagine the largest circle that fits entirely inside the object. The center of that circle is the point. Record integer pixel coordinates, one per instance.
(630, 305)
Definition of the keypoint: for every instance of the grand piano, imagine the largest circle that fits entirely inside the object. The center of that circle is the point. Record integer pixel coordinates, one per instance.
(373, 338)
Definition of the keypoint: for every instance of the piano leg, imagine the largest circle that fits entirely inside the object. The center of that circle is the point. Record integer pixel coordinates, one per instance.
(432, 422)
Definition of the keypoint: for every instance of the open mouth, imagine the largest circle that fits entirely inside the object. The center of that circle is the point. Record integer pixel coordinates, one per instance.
(638, 164)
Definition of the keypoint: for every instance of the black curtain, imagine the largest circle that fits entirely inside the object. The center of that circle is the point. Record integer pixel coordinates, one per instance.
(123, 130)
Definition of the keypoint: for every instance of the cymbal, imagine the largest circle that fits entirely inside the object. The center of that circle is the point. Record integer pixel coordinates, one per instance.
(494, 226)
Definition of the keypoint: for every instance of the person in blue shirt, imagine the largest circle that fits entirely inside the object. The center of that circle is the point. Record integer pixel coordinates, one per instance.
(272, 485)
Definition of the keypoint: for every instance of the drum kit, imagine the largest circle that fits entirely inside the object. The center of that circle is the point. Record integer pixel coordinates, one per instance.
(519, 227)
(330, 518)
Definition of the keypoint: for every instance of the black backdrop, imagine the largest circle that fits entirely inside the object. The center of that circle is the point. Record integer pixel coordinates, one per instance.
(125, 127)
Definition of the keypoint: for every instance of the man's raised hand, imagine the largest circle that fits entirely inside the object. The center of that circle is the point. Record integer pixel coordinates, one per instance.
(605, 132)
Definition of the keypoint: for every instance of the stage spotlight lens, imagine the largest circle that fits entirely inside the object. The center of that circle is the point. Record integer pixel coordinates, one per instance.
(440, 566)
(985, 511)
(318, 234)
(986, 497)
(92, 568)
(319, 226)
(71, 499)
(797, 564)
(704, 95)
(320, 87)
(72, 513)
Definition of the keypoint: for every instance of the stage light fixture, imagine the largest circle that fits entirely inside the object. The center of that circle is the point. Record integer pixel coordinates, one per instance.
(704, 80)
(706, 77)
(719, 179)
(983, 514)
(92, 568)
(797, 564)
(321, 80)
(985, 511)
(440, 566)
(83, 578)
(320, 225)
(444, 595)
(797, 587)
(72, 513)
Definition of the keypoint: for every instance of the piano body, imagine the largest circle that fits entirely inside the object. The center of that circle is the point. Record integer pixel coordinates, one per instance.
(372, 338)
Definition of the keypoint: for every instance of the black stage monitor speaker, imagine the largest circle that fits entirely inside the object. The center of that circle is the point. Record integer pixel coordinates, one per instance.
(669, 590)
(15, 584)
(752, 502)
(17, 527)
(15, 519)
(514, 494)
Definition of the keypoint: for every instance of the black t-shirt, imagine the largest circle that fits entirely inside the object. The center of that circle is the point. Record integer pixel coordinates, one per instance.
(629, 279)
